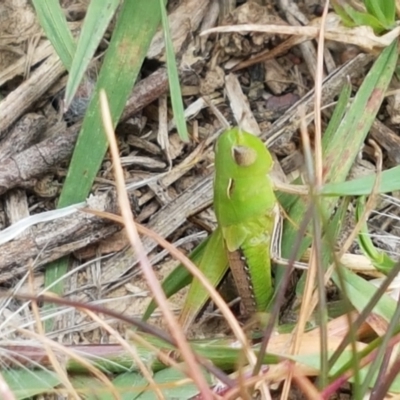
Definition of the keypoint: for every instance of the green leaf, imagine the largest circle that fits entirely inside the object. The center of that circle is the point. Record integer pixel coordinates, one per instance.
(131, 38)
(345, 358)
(384, 11)
(179, 278)
(129, 385)
(98, 16)
(379, 259)
(174, 385)
(53, 22)
(338, 112)
(130, 41)
(213, 263)
(339, 10)
(361, 18)
(338, 159)
(210, 257)
(25, 383)
(173, 78)
(390, 181)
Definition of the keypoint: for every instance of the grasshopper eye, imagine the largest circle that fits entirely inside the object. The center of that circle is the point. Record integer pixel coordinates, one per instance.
(244, 156)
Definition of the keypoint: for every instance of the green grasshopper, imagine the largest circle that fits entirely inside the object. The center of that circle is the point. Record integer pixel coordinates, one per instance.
(247, 213)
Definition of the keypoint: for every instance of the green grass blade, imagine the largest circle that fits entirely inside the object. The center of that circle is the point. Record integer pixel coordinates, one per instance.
(25, 383)
(53, 22)
(342, 366)
(129, 385)
(342, 14)
(171, 384)
(173, 78)
(353, 129)
(384, 11)
(131, 38)
(362, 18)
(97, 18)
(357, 122)
(379, 259)
(338, 112)
(360, 292)
(210, 259)
(213, 263)
(390, 181)
(130, 41)
(179, 278)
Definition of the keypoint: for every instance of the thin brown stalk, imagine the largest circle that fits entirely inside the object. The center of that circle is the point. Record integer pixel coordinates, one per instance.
(369, 206)
(318, 176)
(154, 285)
(353, 325)
(318, 102)
(161, 355)
(315, 179)
(311, 273)
(307, 387)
